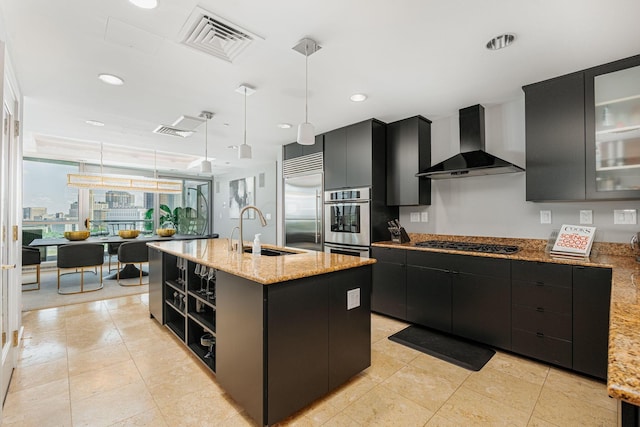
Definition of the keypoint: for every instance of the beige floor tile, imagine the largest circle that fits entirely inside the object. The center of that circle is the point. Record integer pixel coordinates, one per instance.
(97, 358)
(35, 375)
(382, 327)
(382, 366)
(151, 418)
(41, 403)
(557, 408)
(579, 387)
(109, 407)
(424, 387)
(116, 303)
(73, 310)
(440, 368)
(515, 392)
(534, 372)
(383, 407)
(151, 344)
(395, 350)
(348, 393)
(94, 320)
(33, 354)
(44, 320)
(78, 341)
(142, 330)
(239, 420)
(97, 381)
(341, 420)
(468, 408)
(319, 412)
(537, 422)
(440, 421)
(200, 408)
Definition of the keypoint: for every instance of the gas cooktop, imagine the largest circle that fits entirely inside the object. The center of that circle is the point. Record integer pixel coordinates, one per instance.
(469, 247)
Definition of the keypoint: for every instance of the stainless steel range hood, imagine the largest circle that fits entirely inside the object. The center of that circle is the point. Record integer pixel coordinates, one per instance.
(472, 160)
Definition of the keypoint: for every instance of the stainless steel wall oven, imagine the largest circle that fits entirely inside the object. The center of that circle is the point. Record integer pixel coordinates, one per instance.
(347, 219)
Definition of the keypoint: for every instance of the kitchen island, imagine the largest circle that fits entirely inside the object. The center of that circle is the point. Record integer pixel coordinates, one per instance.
(278, 331)
(622, 356)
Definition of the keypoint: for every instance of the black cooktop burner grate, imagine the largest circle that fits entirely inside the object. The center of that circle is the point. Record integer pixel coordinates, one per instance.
(469, 246)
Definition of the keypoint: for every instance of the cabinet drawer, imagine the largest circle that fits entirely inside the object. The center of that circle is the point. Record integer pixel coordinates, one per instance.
(541, 272)
(396, 256)
(436, 260)
(482, 266)
(550, 298)
(541, 347)
(547, 323)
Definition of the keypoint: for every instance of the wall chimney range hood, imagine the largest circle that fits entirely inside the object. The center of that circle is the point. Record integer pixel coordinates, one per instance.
(472, 160)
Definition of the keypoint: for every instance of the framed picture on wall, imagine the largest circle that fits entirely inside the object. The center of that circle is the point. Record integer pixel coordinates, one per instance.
(241, 194)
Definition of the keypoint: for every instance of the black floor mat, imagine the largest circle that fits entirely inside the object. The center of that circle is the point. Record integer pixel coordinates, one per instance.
(453, 350)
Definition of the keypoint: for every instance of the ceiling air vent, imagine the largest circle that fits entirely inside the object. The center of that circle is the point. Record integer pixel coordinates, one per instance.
(169, 130)
(215, 36)
(183, 127)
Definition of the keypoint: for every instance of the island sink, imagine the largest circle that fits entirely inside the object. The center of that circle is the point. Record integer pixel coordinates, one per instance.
(269, 252)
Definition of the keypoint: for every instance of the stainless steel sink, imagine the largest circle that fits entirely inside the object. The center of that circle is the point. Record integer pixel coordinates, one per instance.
(269, 252)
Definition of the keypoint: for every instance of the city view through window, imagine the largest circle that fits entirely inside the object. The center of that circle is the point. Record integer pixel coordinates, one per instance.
(50, 207)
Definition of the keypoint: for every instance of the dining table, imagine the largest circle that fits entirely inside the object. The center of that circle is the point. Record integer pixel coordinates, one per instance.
(129, 270)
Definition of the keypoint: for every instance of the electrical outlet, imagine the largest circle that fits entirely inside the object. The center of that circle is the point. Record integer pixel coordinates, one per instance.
(624, 216)
(424, 216)
(353, 298)
(586, 217)
(415, 216)
(545, 217)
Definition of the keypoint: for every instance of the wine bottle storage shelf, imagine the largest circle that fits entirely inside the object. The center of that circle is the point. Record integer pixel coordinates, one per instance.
(209, 301)
(205, 322)
(175, 285)
(177, 328)
(175, 307)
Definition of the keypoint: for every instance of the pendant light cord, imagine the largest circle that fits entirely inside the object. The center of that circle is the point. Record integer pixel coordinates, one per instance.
(155, 164)
(101, 171)
(245, 116)
(306, 83)
(206, 143)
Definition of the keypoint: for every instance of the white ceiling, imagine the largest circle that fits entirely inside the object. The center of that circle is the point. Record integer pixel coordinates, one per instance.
(411, 57)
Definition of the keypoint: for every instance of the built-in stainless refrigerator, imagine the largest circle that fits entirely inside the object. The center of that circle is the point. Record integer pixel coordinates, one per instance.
(303, 211)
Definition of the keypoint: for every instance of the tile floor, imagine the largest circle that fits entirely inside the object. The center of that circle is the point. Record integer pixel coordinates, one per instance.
(106, 363)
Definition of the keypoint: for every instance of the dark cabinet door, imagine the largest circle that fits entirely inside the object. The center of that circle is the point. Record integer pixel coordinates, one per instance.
(291, 151)
(429, 297)
(389, 292)
(359, 155)
(555, 139)
(335, 159)
(408, 152)
(591, 299)
(481, 309)
(156, 301)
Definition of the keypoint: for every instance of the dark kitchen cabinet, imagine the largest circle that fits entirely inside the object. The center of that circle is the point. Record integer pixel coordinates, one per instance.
(555, 137)
(352, 153)
(389, 284)
(293, 150)
(156, 301)
(542, 325)
(408, 152)
(583, 134)
(429, 287)
(481, 301)
(591, 301)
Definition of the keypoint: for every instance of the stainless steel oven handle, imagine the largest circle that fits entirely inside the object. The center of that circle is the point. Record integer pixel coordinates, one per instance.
(317, 216)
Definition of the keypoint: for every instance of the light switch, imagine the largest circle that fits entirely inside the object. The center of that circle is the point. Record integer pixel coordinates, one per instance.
(353, 298)
(586, 217)
(424, 216)
(545, 217)
(415, 216)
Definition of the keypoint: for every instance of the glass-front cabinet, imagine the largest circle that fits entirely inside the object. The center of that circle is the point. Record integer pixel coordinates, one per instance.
(612, 119)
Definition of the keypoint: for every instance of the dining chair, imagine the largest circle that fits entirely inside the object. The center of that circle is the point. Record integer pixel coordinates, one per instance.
(80, 255)
(31, 256)
(132, 253)
(112, 250)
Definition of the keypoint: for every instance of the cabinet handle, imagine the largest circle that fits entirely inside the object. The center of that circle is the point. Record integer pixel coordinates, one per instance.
(540, 309)
(539, 334)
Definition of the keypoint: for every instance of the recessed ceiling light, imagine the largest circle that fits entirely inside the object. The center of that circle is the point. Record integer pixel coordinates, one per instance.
(501, 41)
(94, 123)
(233, 147)
(145, 4)
(111, 79)
(284, 125)
(358, 97)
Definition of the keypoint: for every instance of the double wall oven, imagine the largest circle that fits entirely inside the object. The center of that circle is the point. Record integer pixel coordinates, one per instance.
(347, 221)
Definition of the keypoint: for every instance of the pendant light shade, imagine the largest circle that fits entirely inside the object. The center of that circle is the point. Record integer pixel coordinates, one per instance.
(306, 131)
(244, 149)
(306, 134)
(205, 165)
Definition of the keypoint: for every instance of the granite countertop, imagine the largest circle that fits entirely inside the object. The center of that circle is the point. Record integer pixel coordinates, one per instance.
(262, 269)
(623, 376)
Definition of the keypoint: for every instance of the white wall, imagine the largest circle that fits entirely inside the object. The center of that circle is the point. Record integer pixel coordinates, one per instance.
(265, 200)
(495, 205)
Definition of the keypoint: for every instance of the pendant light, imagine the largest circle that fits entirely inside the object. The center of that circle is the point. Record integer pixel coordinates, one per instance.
(306, 131)
(205, 165)
(244, 149)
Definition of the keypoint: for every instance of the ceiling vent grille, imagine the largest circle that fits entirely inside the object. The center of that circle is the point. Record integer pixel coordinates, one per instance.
(168, 130)
(215, 36)
(303, 164)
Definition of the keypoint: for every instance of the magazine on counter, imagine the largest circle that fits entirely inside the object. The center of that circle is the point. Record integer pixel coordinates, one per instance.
(574, 241)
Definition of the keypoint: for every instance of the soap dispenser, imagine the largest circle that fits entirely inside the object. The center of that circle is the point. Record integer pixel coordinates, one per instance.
(256, 245)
